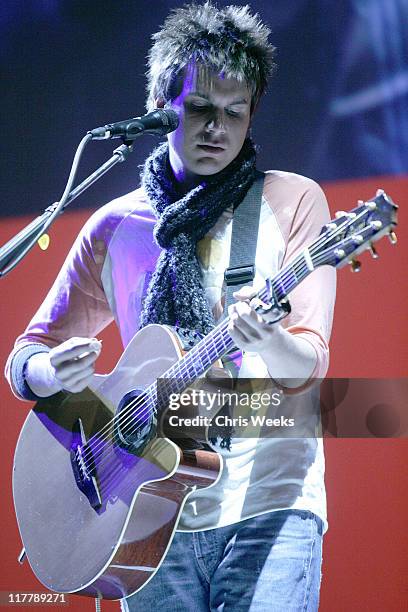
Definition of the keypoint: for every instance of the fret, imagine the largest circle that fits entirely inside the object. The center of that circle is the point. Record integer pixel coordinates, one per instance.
(218, 341)
(282, 282)
(228, 342)
(305, 266)
(200, 361)
(288, 278)
(207, 357)
(219, 344)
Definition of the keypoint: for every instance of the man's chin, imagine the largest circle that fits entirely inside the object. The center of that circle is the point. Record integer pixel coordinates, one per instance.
(209, 166)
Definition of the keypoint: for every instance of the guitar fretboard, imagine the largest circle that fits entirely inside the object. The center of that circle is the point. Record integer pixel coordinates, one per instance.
(218, 342)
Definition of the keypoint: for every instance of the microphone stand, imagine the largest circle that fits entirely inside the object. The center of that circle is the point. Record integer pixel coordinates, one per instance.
(16, 248)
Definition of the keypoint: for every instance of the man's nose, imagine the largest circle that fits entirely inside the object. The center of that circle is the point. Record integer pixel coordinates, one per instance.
(216, 123)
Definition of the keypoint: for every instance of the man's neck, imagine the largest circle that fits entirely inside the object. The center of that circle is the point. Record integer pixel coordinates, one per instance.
(184, 180)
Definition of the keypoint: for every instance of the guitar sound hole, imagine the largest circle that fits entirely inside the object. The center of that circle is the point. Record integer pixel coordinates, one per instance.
(135, 422)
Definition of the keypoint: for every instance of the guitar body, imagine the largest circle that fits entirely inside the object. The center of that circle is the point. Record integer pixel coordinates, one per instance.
(111, 548)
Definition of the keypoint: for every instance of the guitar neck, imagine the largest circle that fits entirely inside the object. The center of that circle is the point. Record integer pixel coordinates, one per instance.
(218, 342)
(339, 241)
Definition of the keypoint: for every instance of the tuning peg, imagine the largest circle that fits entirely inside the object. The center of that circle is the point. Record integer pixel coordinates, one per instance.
(357, 238)
(355, 265)
(340, 253)
(380, 192)
(371, 205)
(393, 237)
(331, 227)
(373, 251)
(44, 242)
(340, 213)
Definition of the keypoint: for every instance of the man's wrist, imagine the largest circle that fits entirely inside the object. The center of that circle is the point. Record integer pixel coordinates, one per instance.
(40, 375)
(290, 360)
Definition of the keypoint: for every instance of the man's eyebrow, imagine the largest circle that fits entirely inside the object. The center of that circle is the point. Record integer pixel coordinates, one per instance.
(239, 101)
(205, 96)
(199, 95)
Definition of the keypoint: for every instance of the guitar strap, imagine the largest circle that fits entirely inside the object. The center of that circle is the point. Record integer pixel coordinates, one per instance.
(240, 272)
(245, 226)
(241, 269)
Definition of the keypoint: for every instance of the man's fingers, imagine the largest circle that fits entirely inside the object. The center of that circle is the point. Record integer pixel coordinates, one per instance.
(237, 333)
(73, 349)
(77, 386)
(80, 377)
(243, 314)
(69, 369)
(245, 293)
(78, 381)
(246, 327)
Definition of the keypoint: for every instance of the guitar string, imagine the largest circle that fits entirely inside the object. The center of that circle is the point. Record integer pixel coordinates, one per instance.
(123, 483)
(198, 354)
(296, 268)
(108, 476)
(147, 405)
(145, 408)
(218, 341)
(133, 417)
(292, 269)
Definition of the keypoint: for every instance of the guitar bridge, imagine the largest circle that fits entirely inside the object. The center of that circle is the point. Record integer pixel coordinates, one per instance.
(84, 469)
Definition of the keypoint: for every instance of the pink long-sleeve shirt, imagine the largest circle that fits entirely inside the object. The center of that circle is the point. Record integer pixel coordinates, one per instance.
(105, 277)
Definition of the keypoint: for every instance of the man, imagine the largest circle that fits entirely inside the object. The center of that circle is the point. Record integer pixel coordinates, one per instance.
(253, 540)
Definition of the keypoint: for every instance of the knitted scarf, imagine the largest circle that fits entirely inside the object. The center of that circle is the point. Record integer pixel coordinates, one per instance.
(175, 295)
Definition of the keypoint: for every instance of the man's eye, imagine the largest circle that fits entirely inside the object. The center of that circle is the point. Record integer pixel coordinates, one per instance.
(199, 108)
(233, 113)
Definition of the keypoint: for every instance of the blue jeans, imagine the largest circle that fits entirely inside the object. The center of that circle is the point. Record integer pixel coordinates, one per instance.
(269, 563)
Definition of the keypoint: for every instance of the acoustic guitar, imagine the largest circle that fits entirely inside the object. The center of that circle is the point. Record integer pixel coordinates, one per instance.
(98, 487)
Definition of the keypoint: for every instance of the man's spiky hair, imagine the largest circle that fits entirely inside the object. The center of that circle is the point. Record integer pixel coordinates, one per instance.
(230, 41)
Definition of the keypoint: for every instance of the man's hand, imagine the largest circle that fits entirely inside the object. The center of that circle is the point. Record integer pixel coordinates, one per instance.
(69, 366)
(248, 329)
(290, 359)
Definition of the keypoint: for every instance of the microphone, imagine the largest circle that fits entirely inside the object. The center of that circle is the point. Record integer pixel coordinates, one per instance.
(160, 121)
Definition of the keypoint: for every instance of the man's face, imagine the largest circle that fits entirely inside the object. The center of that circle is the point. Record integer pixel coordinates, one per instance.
(214, 115)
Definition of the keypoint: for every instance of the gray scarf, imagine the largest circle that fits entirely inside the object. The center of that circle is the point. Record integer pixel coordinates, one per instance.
(175, 295)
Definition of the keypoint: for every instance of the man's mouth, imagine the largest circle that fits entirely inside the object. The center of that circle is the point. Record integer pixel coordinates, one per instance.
(213, 149)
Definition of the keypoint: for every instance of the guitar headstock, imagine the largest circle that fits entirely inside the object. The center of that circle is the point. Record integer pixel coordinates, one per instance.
(351, 233)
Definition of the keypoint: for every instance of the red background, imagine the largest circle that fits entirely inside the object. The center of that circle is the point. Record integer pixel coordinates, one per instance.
(366, 547)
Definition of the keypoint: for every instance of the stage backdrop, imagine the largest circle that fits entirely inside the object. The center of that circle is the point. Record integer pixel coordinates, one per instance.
(336, 111)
